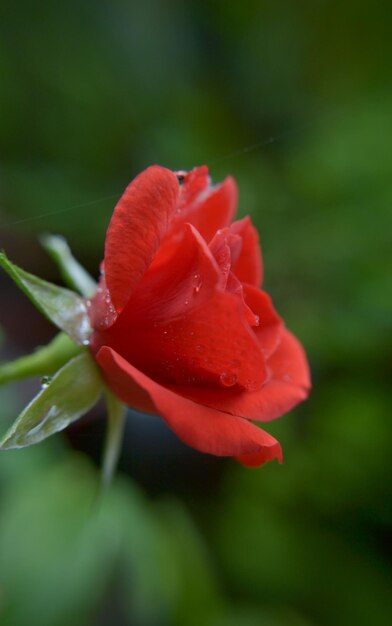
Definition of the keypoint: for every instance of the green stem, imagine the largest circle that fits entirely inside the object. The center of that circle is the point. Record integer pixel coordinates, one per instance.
(114, 437)
(44, 361)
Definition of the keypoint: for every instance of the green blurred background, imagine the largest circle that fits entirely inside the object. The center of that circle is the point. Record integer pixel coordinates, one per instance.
(294, 99)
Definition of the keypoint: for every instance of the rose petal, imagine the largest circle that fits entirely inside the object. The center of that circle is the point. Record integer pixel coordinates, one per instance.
(138, 224)
(270, 326)
(256, 459)
(202, 428)
(224, 246)
(194, 183)
(180, 328)
(288, 385)
(180, 281)
(207, 207)
(125, 388)
(249, 266)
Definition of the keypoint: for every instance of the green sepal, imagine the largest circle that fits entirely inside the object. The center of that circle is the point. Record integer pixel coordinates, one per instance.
(73, 274)
(45, 360)
(64, 308)
(74, 390)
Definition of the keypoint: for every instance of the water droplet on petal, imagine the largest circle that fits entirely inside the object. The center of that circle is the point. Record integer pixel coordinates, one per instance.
(197, 283)
(257, 320)
(228, 379)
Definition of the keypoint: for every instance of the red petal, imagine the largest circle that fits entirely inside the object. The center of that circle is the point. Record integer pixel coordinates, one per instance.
(204, 429)
(270, 325)
(288, 385)
(180, 328)
(256, 459)
(224, 246)
(205, 207)
(138, 224)
(249, 266)
(289, 364)
(102, 312)
(124, 387)
(193, 184)
(180, 279)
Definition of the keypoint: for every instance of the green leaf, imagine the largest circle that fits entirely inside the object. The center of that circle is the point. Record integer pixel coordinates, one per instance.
(46, 360)
(70, 394)
(74, 274)
(64, 308)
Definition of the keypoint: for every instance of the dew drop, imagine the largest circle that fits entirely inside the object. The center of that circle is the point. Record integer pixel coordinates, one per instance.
(186, 302)
(257, 320)
(85, 342)
(45, 381)
(197, 283)
(228, 379)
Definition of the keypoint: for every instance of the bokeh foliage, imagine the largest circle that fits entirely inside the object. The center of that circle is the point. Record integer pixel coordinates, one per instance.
(294, 100)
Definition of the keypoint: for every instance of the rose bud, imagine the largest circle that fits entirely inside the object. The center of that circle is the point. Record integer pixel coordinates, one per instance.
(181, 326)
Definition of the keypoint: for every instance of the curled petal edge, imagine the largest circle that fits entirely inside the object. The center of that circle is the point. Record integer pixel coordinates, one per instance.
(205, 429)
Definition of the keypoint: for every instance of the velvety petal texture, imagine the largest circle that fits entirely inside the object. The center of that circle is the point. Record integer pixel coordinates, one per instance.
(181, 326)
(139, 222)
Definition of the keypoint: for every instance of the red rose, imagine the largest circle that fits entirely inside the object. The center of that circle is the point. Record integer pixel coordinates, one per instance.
(181, 326)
